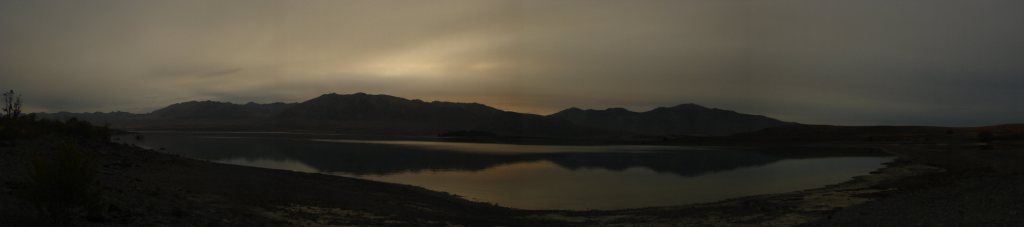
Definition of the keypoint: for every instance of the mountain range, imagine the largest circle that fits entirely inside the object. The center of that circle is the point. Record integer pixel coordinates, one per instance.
(368, 114)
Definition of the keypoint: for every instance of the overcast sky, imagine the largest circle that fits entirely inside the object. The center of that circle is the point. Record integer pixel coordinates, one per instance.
(853, 62)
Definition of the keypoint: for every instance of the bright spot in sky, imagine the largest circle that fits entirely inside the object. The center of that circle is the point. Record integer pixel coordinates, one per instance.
(439, 58)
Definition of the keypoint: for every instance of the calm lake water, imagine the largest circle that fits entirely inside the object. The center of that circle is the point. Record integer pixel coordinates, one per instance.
(535, 176)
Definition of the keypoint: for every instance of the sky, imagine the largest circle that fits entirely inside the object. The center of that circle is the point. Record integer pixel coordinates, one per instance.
(864, 62)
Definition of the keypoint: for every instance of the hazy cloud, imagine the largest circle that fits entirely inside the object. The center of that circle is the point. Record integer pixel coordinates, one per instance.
(842, 62)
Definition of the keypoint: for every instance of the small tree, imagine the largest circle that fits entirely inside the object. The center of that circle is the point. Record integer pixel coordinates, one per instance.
(985, 137)
(11, 105)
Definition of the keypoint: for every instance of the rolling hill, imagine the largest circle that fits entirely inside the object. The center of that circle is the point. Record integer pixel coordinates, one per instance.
(369, 114)
(685, 119)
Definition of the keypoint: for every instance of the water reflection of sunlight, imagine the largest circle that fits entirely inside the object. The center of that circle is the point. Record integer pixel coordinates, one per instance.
(271, 164)
(535, 176)
(545, 185)
(518, 148)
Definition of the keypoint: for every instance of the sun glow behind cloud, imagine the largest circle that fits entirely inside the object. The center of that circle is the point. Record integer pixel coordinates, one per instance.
(436, 59)
(842, 62)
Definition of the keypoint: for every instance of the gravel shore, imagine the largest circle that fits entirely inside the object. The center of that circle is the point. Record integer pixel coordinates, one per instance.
(926, 185)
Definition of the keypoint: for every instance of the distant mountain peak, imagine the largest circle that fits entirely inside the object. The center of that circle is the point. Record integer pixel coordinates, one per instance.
(683, 119)
(384, 114)
(333, 94)
(357, 96)
(689, 106)
(618, 110)
(215, 110)
(194, 104)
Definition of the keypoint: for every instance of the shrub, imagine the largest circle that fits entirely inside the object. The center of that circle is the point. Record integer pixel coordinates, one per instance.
(63, 186)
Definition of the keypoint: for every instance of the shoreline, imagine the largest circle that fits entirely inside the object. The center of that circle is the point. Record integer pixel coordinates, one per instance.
(149, 187)
(779, 209)
(976, 186)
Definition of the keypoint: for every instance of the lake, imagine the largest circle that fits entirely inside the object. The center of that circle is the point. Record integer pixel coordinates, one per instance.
(535, 176)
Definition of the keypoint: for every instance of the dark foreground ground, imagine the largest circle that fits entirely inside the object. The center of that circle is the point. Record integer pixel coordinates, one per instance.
(953, 184)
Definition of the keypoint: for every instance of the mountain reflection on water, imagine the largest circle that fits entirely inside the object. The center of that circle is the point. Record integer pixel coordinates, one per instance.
(536, 176)
(367, 157)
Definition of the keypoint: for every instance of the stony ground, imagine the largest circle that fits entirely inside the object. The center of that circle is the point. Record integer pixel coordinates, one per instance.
(148, 188)
(928, 185)
(978, 188)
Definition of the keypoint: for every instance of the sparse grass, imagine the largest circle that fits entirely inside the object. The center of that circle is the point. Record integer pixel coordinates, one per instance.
(62, 185)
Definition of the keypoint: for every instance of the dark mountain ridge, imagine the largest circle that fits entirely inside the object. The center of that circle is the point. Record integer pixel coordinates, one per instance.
(218, 110)
(686, 119)
(362, 113)
(384, 114)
